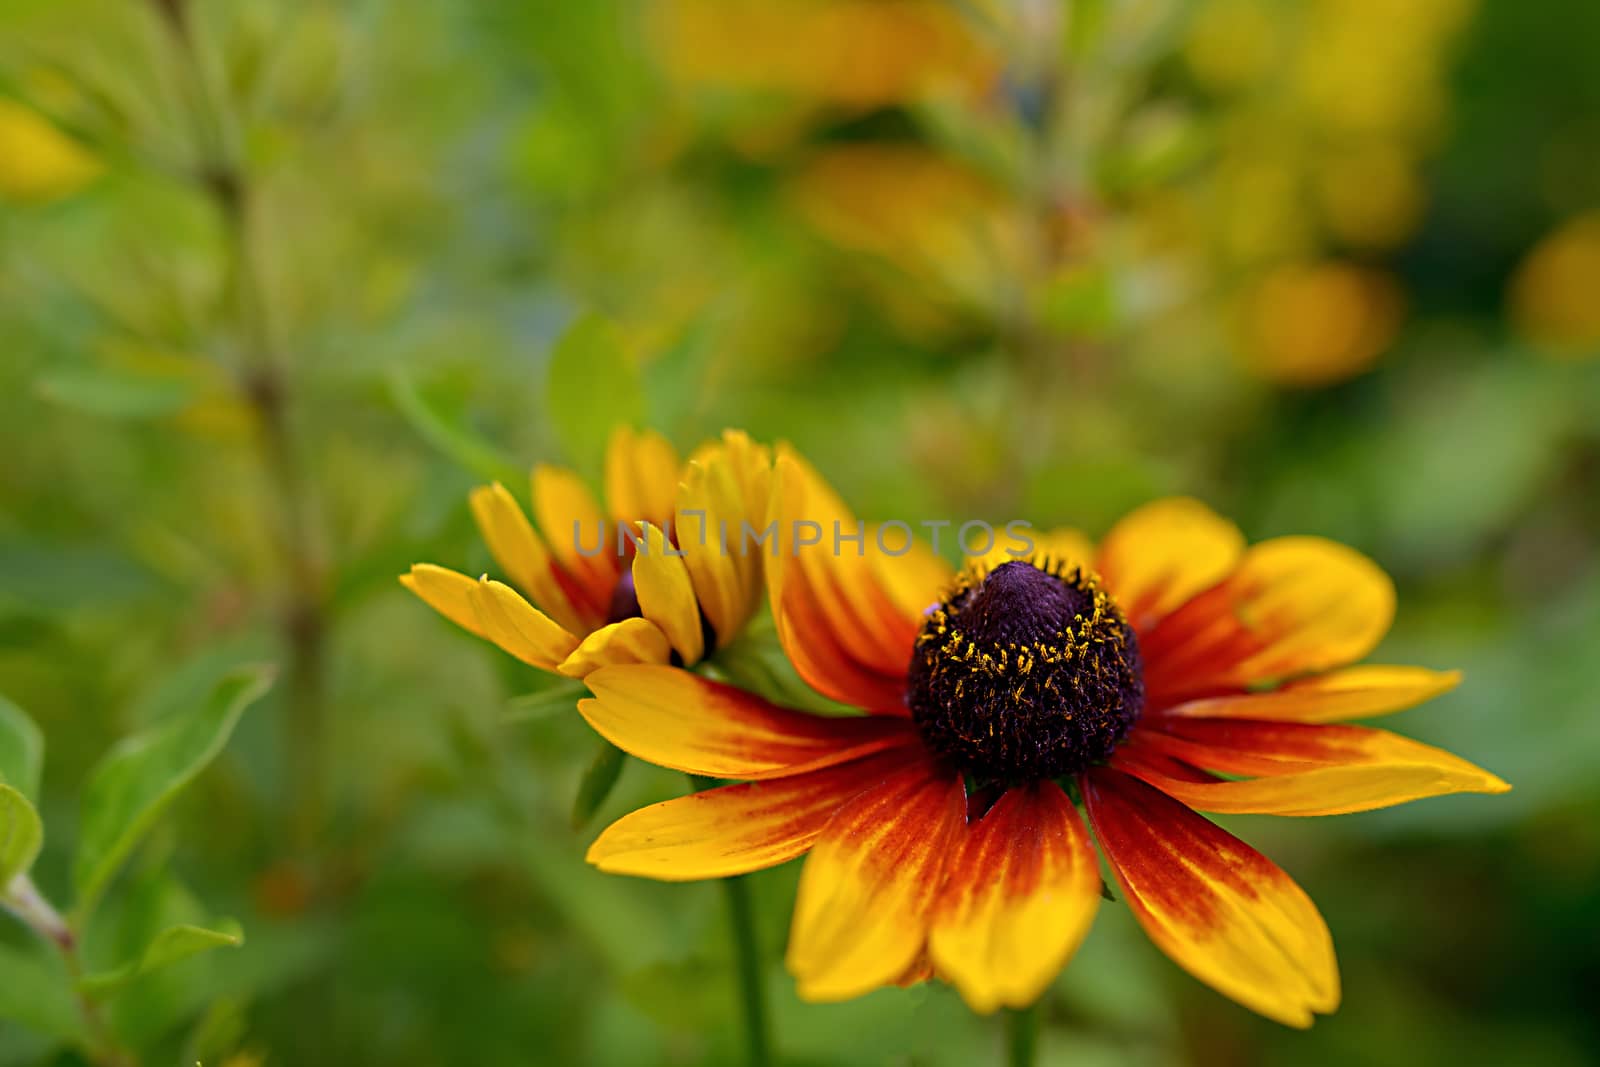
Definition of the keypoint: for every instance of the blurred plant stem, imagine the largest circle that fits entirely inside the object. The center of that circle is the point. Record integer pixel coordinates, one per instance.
(23, 899)
(1022, 1037)
(747, 959)
(1059, 371)
(267, 385)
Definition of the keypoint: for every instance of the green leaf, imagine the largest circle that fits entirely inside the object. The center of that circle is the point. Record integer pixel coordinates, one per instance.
(458, 443)
(21, 834)
(597, 782)
(115, 394)
(138, 778)
(21, 750)
(556, 699)
(35, 992)
(172, 945)
(593, 387)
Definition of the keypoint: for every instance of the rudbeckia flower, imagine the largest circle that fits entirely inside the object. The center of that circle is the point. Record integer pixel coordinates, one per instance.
(653, 577)
(1172, 669)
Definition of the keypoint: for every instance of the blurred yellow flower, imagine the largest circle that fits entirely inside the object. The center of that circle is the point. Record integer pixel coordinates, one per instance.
(38, 162)
(1374, 66)
(852, 53)
(1335, 104)
(1555, 294)
(933, 219)
(1318, 323)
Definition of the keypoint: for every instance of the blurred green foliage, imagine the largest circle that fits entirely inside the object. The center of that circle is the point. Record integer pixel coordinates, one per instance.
(280, 281)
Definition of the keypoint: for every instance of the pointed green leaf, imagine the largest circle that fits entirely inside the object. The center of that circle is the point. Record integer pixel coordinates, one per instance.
(138, 778)
(597, 782)
(21, 834)
(170, 946)
(593, 387)
(21, 750)
(558, 698)
(462, 445)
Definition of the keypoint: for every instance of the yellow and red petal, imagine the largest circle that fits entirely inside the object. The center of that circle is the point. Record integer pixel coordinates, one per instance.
(921, 970)
(518, 627)
(751, 464)
(578, 534)
(1217, 907)
(840, 571)
(1352, 693)
(523, 556)
(666, 594)
(868, 887)
(1161, 554)
(849, 638)
(1294, 605)
(736, 828)
(822, 660)
(1299, 768)
(630, 641)
(680, 720)
(1023, 885)
(729, 483)
(641, 477)
(446, 591)
(710, 517)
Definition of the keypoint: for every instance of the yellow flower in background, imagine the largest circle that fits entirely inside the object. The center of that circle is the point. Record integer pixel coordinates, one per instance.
(1318, 323)
(1171, 670)
(935, 220)
(39, 163)
(857, 54)
(1332, 108)
(655, 576)
(1555, 294)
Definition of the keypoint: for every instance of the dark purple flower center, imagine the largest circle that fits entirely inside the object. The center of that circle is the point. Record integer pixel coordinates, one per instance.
(1028, 673)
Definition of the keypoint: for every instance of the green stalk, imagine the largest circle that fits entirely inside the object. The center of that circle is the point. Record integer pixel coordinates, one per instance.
(1022, 1037)
(752, 993)
(747, 960)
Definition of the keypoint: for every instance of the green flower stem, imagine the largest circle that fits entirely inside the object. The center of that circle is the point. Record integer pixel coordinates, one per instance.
(747, 959)
(23, 899)
(752, 991)
(1022, 1037)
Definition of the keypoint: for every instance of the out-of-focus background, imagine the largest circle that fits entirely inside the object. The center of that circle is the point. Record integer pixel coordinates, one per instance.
(280, 281)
